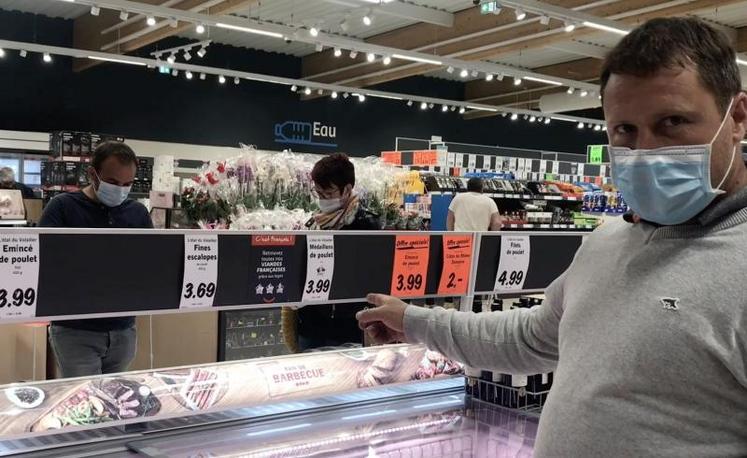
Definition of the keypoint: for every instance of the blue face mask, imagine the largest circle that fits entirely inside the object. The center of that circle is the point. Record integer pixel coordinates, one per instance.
(109, 194)
(669, 185)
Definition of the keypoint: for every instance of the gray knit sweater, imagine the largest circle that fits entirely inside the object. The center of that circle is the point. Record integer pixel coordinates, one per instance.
(646, 332)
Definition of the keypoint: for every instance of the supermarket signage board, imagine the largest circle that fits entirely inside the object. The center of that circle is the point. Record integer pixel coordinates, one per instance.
(410, 271)
(200, 279)
(19, 275)
(457, 264)
(272, 273)
(595, 154)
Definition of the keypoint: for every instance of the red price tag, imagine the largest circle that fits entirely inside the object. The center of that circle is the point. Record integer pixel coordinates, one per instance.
(457, 265)
(410, 265)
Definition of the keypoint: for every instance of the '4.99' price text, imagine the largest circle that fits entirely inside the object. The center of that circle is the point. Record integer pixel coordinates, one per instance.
(511, 278)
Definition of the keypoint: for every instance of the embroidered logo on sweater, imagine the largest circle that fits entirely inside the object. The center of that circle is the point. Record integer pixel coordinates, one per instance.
(670, 303)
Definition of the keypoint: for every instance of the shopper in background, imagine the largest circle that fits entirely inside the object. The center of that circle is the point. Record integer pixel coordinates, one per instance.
(8, 181)
(473, 211)
(646, 329)
(340, 210)
(106, 345)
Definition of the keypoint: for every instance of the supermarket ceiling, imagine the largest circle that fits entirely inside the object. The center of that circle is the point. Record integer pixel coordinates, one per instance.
(526, 54)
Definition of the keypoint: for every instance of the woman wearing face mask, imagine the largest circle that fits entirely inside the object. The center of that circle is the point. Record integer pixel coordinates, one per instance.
(339, 209)
(99, 345)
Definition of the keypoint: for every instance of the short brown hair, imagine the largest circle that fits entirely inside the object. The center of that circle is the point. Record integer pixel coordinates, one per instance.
(335, 169)
(678, 42)
(105, 150)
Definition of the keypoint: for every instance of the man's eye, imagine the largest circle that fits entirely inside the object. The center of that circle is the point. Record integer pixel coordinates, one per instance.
(624, 129)
(674, 121)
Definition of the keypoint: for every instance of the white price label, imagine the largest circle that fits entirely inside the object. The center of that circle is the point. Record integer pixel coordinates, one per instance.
(602, 170)
(518, 380)
(19, 275)
(545, 379)
(472, 161)
(543, 167)
(320, 266)
(581, 170)
(556, 167)
(450, 160)
(200, 271)
(522, 165)
(513, 264)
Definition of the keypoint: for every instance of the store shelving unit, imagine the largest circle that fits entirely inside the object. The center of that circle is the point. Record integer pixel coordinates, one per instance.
(245, 334)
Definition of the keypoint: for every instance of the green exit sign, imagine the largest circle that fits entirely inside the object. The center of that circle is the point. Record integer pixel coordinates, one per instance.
(489, 8)
(594, 154)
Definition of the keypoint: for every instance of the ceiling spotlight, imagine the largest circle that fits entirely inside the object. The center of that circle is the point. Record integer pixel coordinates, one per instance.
(307, 91)
(338, 52)
(547, 120)
(450, 70)
(409, 103)
(319, 47)
(517, 81)
(320, 91)
(222, 79)
(187, 55)
(151, 21)
(475, 73)
(444, 108)
(526, 117)
(462, 110)
(188, 75)
(532, 118)
(597, 127)
(22, 53)
(47, 57)
(95, 10)
(423, 106)
(544, 19)
(200, 29)
(203, 76)
(173, 22)
(370, 57)
(499, 77)
(202, 52)
(294, 88)
(236, 80)
(344, 25)
(580, 125)
(334, 94)
(361, 98)
(570, 91)
(584, 93)
(453, 108)
(345, 95)
(489, 77)
(174, 72)
(387, 60)
(464, 73)
(353, 54)
(430, 105)
(2, 52)
(520, 14)
(514, 117)
(124, 15)
(314, 32)
(569, 27)
(367, 20)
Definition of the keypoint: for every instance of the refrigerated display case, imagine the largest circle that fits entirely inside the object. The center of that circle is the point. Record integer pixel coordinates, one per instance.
(244, 334)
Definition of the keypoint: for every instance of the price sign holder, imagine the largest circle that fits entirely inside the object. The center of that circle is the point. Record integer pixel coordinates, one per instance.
(19, 274)
(320, 267)
(410, 271)
(457, 265)
(200, 271)
(513, 263)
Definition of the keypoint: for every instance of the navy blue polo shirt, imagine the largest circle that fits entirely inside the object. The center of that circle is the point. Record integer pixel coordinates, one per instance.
(77, 210)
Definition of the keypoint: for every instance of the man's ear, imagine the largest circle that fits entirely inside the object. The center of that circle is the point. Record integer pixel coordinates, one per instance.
(739, 115)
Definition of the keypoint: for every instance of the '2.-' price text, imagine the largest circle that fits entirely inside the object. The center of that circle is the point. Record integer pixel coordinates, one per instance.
(203, 290)
(510, 278)
(412, 282)
(18, 298)
(320, 286)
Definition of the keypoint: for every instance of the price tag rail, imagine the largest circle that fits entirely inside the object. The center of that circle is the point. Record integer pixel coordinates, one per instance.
(96, 273)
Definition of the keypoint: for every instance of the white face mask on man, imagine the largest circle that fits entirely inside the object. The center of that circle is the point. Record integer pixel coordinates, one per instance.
(109, 194)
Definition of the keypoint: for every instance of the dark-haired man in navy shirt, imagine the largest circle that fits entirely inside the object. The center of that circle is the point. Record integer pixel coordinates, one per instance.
(105, 345)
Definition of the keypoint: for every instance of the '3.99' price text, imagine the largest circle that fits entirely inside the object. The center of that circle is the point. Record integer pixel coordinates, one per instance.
(18, 297)
(321, 286)
(411, 283)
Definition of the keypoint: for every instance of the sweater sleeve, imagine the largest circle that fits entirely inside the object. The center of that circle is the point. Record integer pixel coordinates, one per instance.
(54, 214)
(520, 341)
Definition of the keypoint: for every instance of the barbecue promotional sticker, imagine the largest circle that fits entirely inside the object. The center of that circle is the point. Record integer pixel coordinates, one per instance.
(274, 277)
(410, 265)
(200, 271)
(457, 265)
(320, 266)
(19, 275)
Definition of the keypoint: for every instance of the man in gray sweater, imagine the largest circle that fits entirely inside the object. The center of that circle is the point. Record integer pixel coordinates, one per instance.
(647, 329)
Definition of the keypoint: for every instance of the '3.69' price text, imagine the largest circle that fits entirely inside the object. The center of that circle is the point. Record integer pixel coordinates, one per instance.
(202, 290)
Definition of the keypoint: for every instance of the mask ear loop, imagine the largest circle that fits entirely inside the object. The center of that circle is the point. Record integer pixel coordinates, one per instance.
(733, 152)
